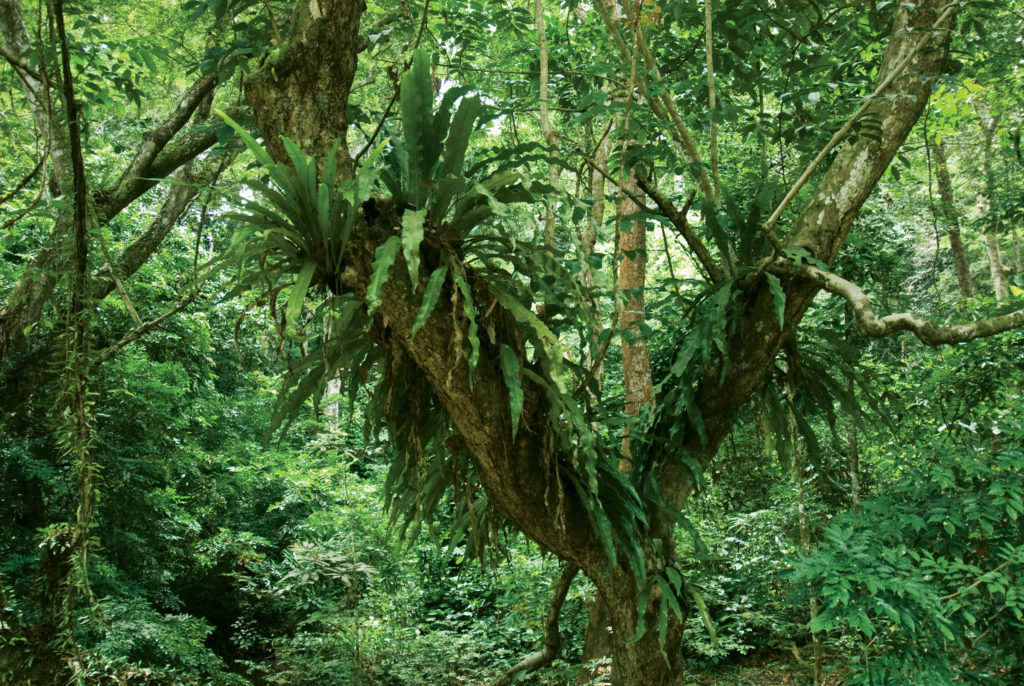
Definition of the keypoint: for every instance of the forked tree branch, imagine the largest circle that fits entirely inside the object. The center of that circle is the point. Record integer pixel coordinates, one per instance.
(682, 225)
(870, 324)
(839, 135)
(663, 106)
(155, 139)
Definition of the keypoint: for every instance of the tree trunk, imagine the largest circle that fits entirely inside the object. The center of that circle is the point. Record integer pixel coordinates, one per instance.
(999, 271)
(644, 662)
(632, 274)
(519, 473)
(956, 245)
(797, 471)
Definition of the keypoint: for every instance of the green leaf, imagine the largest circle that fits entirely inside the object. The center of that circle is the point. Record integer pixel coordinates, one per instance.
(458, 137)
(510, 369)
(412, 235)
(384, 257)
(470, 311)
(641, 610)
(418, 117)
(545, 336)
(705, 616)
(298, 296)
(430, 297)
(261, 155)
(775, 286)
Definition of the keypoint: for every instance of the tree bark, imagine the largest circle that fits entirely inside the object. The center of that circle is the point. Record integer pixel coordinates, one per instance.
(820, 227)
(35, 88)
(632, 275)
(956, 245)
(999, 271)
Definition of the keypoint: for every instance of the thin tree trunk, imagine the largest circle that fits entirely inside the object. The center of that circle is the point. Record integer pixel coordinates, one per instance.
(854, 465)
(797, 473)
(588, 240)
(16, 37)
(632, 274)
(956, 245)
(1018, 264)
(712, 101)
(999, 271)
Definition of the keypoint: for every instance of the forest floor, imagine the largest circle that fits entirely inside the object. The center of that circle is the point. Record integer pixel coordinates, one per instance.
(780, 669)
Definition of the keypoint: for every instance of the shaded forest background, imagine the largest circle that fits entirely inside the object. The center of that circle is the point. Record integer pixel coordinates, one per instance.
(185, 498)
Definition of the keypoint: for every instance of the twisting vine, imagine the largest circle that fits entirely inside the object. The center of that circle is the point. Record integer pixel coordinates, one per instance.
(74, 406)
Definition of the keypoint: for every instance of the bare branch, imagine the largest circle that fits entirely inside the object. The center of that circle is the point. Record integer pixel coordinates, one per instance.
(870, 324)
(273, 22)
(20, 65)
(678, 219)
(28, 178)
(142, 330)
(20, 215)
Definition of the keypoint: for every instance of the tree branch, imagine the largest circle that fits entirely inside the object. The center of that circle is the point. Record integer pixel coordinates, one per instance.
(896, 71)
(154, 140)
(870, 324)
(28, 178)
(20, 65)
(678, 219)
(188, 146)
(143, 329)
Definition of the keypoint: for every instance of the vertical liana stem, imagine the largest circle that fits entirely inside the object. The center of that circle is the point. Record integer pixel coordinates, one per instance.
(75, 401)
(798, 469)
(712, 102)
(550, 137)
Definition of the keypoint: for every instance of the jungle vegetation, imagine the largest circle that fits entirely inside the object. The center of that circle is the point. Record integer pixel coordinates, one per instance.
(459, 342)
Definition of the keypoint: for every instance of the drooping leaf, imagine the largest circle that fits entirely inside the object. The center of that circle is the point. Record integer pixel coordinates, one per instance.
(384, 257)
(412, 235)
(473, 329)
(430, 296)
(297, 297)
(705, 616)
(779, 297)
(510, 369)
